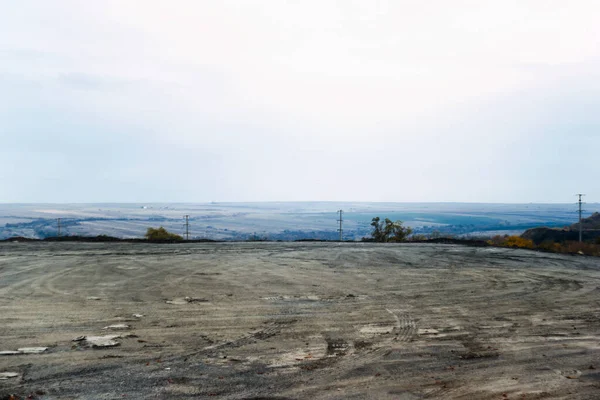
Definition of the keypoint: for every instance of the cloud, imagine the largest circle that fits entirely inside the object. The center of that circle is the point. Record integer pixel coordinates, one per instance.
(93, 82)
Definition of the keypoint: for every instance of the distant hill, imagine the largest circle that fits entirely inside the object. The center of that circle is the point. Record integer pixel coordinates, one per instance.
(591, 231)
(277, 221)
(592, 222)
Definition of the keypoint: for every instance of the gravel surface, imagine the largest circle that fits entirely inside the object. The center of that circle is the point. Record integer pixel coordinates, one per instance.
(297, 320)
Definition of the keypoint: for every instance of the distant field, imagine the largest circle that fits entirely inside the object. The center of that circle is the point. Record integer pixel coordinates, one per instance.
(278, 221)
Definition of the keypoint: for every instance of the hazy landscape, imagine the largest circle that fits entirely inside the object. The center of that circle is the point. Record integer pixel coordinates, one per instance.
(279, 221)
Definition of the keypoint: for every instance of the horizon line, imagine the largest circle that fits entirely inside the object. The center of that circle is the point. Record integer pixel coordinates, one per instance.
(287, 202)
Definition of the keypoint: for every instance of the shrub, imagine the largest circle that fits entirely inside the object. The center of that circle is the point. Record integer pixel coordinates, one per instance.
(518, 241)
(588, 249)
(161, 234)
(549, 245)
(569, 247)
(498, 240)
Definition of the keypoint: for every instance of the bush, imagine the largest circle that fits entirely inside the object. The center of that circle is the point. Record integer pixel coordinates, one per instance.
(549, 245)
(498, 240)
(161, 234)
(568, 247)
(518, 241)
(588, 249)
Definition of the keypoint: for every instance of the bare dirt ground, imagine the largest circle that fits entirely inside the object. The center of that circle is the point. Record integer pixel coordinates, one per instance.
(299, 320)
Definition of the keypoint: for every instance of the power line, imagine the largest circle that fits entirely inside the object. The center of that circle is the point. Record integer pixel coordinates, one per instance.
(187, 227)
(340, 230)
(580, 211)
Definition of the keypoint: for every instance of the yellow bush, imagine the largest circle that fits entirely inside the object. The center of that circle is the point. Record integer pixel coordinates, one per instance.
(161, 234)
(517, 241)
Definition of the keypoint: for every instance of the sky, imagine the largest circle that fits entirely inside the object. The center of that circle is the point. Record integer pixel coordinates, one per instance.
(275, 100)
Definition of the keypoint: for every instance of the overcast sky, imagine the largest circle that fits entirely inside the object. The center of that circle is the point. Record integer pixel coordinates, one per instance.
(193, 101)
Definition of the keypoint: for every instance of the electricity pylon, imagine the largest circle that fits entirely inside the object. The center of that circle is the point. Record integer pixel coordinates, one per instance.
(187, 227)
(580, 203)
(340, 230)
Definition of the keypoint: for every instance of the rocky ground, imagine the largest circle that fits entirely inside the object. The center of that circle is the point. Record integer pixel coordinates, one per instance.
(295, 321)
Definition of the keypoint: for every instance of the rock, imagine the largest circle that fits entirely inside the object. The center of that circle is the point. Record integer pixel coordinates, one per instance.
(93, 298)
(32, 350)
(24, 350)
(102, 341)
(177, 302)
(573, 374)
(186, 300)
(138, 315)
(195, 300)
(117, 327)
(8, 375)
(9, 353)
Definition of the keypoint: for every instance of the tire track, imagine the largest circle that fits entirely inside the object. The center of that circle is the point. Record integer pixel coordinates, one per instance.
(406, 328)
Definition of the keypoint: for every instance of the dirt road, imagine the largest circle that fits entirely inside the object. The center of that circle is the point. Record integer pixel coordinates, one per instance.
(298, 320)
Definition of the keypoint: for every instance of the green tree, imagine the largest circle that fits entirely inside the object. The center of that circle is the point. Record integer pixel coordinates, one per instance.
(389, 231)
(399, 232)
(378, 227)
(161, 234)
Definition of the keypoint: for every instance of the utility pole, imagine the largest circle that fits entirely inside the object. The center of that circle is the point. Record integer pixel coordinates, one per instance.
(340, 230)
(580, 211)
(187, 227)
(58, 223)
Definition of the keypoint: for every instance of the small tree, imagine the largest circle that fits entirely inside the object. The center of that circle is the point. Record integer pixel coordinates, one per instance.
(161, 234)
(389, 231)
(399, 232)
(377, 234)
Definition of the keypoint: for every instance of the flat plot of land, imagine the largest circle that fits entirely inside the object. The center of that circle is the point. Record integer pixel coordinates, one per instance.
(298, 320)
